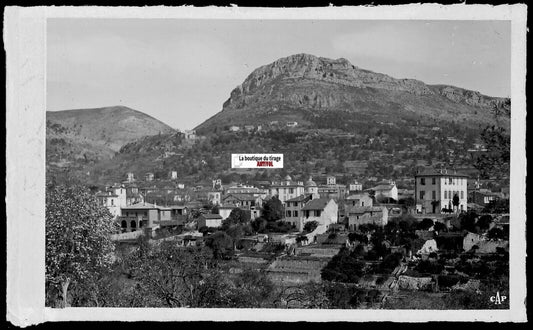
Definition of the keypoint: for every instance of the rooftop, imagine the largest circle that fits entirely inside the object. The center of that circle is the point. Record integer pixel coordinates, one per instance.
(316, 204)
(141, 206)
(212, 216)
(300, 198)
(383, 187)
(242, 197)
(364, 209)
(439, 172)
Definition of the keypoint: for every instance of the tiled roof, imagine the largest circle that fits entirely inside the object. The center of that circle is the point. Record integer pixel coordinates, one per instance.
(141, 206)
(298, 199)
(435, 172)
(212, 216)
(178, 207)
(316, 204)
(103, 194)
(242, 197)
(383, 187)
(357, 196)
(364, 209)
(290, 184)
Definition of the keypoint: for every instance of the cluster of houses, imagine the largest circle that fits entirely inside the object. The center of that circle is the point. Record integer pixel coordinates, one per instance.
(250, 128)
(436, 192)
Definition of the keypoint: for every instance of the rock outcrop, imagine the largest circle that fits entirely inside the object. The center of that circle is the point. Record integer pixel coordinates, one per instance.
(303, 82)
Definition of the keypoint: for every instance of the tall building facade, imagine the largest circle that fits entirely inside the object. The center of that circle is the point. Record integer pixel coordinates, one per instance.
(435, 190)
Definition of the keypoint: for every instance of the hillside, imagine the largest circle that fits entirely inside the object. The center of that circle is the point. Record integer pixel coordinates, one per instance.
(352, 123)
(290, 88)
(90, 135)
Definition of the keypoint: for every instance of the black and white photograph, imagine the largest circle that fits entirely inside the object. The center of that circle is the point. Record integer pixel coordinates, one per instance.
(310, 164)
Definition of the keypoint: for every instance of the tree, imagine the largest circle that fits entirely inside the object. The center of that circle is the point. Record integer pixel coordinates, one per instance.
(259, 224)
(439, 226)
(496, 233)
(78, 238)
(455, 202)
(273, 209)
(495, 160)
(484, 222)
(236, 217)
(178, 277)
(343, 267)
(251, 289)
(310, 226)
(425, 224)
(468, 221)
(221, 244)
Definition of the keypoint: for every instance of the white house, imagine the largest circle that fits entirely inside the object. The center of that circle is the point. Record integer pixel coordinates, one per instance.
(435, 190)
(355, 186)
(386, 190)
(287, 189)
(322, 210)
(209, 220)
(113, 199)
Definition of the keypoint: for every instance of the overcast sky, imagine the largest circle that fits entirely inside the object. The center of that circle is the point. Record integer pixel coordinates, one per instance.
(181, 71)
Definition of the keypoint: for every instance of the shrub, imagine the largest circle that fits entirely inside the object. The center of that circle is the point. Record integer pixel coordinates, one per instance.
(310, 226)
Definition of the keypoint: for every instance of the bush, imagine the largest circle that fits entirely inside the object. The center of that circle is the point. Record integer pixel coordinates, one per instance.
(425, 224)
(428, 267)
(310, 226)
(447, 281)
(390, 262)
(259, 224)
(279, 226)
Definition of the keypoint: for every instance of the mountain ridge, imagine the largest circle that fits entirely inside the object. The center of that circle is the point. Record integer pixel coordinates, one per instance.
(308, 82)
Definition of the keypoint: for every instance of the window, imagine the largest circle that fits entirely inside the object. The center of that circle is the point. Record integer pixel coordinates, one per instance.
(433, 181)
(462, 194)
(291, 190)
(295, 213)
(306, 212)
(362, 203)
(434, 194)
(423, 181)
(289, 214)
(353, 203)
(112, 202)
(450, 180)
(422, 193)
(317, 213)
(445, 194)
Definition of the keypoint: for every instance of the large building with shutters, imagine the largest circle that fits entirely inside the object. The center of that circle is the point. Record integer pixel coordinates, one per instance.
(435, 191)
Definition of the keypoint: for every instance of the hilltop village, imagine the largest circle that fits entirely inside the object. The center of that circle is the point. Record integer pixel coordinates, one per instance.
(445, 235)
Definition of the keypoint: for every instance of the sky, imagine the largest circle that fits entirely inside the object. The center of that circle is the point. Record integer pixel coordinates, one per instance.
(181, 71)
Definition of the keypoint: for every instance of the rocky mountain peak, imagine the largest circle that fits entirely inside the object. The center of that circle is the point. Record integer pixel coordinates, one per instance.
(319, 70)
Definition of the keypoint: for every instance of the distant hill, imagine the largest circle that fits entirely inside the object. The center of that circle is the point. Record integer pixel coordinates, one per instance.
(351, 123)
(299, 86)
(90, 135)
